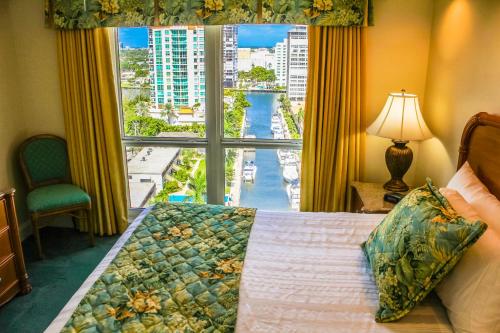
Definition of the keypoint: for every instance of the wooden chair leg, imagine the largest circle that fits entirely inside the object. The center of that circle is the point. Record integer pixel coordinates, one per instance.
(36, 233)
(90, 226)
(75, 222)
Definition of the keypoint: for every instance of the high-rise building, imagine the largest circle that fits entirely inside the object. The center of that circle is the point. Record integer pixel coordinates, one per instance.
(177, 68)
(230, 40)
(297, 63)
(280, 62)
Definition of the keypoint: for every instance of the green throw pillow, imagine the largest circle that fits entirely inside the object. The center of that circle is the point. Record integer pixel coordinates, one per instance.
(414, 248)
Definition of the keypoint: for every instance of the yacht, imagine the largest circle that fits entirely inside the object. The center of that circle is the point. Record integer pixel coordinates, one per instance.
(290, 173)
(286, 157)
(276, 119)
(249, 171)
(293, 192)
(283, 154)
(278, 134)
(275, 128)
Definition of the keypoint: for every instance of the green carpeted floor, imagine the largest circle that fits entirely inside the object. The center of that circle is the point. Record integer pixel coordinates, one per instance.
(69, 261)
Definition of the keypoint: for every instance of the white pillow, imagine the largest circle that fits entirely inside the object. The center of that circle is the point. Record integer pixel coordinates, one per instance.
(457, 201)
(475, 193)
(471, 292)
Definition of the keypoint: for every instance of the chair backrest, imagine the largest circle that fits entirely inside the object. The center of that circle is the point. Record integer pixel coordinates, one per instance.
(44, 160)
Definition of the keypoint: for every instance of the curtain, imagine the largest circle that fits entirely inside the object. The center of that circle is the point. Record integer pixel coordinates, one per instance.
(92, 124)
(333, 121)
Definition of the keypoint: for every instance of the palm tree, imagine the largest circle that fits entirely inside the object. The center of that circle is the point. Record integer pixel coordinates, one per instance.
(285, 103)
(168, 112)
(196, 106)
(142, 109)
(198, 186)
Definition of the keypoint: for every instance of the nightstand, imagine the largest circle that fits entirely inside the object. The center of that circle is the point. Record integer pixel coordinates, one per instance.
(369, 198)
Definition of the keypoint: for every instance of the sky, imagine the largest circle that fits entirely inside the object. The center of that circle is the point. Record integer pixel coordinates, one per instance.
(248, 35)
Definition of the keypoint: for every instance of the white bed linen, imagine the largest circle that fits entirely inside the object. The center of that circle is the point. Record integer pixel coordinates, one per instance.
(306, 272)
(303, 272)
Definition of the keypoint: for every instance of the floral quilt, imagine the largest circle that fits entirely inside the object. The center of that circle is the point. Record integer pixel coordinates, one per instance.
(178, 272)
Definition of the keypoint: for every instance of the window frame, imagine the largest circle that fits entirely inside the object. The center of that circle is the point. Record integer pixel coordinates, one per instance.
(214, 141)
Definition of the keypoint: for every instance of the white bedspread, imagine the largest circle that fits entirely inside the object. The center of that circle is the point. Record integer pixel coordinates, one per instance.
(303, 272)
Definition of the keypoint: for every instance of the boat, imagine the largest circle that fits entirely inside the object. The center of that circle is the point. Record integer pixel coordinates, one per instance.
(293, 192)
(286, 157)
(249, 171)
(282, 155)
(290, 173)
(275, 128)
(276, 119)
(278, 134)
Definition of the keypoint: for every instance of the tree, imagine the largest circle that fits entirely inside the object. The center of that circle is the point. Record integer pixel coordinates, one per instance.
(168, 188)
(167, 111)
(258, 74)
(198, 185)
(285, 103)
(196, 106)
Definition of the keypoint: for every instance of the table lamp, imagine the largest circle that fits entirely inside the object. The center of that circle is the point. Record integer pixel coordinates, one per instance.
(401, 121)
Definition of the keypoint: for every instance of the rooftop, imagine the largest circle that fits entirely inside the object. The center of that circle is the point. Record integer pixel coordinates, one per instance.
(139, 193)
(152, 160)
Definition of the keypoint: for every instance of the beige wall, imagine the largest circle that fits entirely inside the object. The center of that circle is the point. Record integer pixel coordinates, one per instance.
(11, 118)
(396, 57)
(463, 79)
(37, 72)
(29, 87)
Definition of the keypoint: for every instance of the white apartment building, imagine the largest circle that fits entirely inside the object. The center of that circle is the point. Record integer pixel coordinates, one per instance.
(248, 58)
(281, 62)
(230, 41)
(177, 67)
(297, 64)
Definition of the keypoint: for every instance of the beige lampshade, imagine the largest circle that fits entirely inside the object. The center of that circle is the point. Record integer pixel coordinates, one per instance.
(400, 119)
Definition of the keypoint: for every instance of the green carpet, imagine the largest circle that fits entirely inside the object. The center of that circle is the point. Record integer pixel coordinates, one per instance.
(69, 261)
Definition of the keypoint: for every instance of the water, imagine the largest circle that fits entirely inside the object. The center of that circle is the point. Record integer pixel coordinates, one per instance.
(269, 190)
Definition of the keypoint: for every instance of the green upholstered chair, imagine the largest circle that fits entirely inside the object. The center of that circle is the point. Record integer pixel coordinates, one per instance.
(45, 165)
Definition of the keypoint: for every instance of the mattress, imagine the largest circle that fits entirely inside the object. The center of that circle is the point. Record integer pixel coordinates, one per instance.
(303, 272)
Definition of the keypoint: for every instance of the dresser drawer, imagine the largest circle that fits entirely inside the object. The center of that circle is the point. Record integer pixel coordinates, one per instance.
(5, 245)
(3, 214)
(8, 275)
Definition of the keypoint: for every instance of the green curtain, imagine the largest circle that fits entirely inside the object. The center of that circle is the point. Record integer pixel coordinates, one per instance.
(92, 124)
(88, 14)
(333, 121)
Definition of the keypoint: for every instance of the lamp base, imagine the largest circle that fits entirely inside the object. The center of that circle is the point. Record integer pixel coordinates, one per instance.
(398, 158)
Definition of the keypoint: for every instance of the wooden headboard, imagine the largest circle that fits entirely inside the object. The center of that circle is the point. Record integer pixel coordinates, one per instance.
(480, 146)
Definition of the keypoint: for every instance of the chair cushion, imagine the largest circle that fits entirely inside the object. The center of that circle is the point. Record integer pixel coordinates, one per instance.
(56, 196)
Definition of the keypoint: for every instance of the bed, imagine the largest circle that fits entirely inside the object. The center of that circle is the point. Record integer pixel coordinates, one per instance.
(305, 272)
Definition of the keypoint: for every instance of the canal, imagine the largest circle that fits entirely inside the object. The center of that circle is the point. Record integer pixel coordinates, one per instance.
(269, 190)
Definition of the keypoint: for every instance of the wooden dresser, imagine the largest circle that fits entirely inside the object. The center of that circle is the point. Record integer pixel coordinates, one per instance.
(13, 276)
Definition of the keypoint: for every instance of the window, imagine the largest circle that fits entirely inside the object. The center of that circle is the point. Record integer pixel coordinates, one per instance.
(244, 131)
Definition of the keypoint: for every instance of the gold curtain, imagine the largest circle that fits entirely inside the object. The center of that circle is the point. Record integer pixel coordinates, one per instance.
(92, 124)
(333, 122)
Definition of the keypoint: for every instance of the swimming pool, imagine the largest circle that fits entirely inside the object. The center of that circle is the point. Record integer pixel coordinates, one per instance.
(187, 198)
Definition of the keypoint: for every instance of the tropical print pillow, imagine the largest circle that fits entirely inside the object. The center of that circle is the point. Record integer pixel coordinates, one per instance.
(414, 248)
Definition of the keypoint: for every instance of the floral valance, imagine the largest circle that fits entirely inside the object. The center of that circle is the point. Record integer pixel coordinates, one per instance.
(87, 14)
